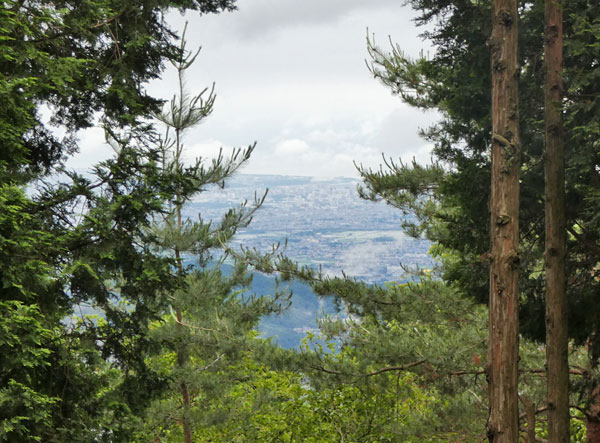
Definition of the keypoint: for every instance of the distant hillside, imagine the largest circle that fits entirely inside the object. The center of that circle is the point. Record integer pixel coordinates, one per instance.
(325, 223)
(289, 328)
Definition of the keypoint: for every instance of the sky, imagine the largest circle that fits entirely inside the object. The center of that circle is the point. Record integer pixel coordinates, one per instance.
(291, 75)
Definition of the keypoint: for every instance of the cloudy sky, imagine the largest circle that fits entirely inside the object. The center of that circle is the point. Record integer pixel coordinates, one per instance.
(291, 75)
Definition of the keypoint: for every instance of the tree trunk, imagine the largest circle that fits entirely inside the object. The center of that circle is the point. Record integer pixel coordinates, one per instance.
(185, 391)
(557, 340)
(181, 351)
(530, 414)
(503, 346)
(592, 415)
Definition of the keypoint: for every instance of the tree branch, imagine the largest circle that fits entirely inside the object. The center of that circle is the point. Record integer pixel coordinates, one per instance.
(370, 374)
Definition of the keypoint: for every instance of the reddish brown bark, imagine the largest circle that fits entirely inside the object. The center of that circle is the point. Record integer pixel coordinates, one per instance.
(593, 416)
(503, 346)
(530, 415)
(557, 341)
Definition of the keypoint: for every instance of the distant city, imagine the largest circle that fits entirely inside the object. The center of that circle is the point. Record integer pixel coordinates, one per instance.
(325, 223)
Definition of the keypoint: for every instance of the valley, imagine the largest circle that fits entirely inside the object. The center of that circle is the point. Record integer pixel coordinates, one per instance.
(326, 224)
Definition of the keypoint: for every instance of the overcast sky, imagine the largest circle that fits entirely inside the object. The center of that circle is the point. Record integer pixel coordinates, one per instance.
(291, 75)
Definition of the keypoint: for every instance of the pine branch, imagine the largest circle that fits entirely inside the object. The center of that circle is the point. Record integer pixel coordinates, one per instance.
(370, 374)
(396, 368)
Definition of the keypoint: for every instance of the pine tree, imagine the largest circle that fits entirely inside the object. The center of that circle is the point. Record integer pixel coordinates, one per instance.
(211, 317)
(79, 378)
(455, 79)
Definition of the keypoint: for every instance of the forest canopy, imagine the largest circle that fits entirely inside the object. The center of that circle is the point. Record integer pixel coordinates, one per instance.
(119, 323)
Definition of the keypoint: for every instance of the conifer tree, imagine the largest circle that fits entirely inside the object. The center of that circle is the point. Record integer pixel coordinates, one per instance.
(455, 79)
(66, 243)
(211, 317)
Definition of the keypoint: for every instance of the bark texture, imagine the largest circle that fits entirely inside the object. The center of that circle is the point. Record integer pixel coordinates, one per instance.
(503, 346)
(593, 416)
(557, 340)
(530, 414)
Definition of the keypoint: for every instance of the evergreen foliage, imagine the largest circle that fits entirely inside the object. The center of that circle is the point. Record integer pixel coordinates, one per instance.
(211, 317)
(280, 406)
(117, 322)
(80, 243)
(455, 80)
(426, 329)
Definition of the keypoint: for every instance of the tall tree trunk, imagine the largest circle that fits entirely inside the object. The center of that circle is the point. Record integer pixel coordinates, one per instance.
(181, 351)
(557, 340)
(503, 346)
(185, 391)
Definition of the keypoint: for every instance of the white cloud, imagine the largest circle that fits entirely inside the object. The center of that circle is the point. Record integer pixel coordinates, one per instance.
(205, 149)
(264, 19)
(259, 16)
(291, 147)
(398, 133)
(291, 75)
(92, 149)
